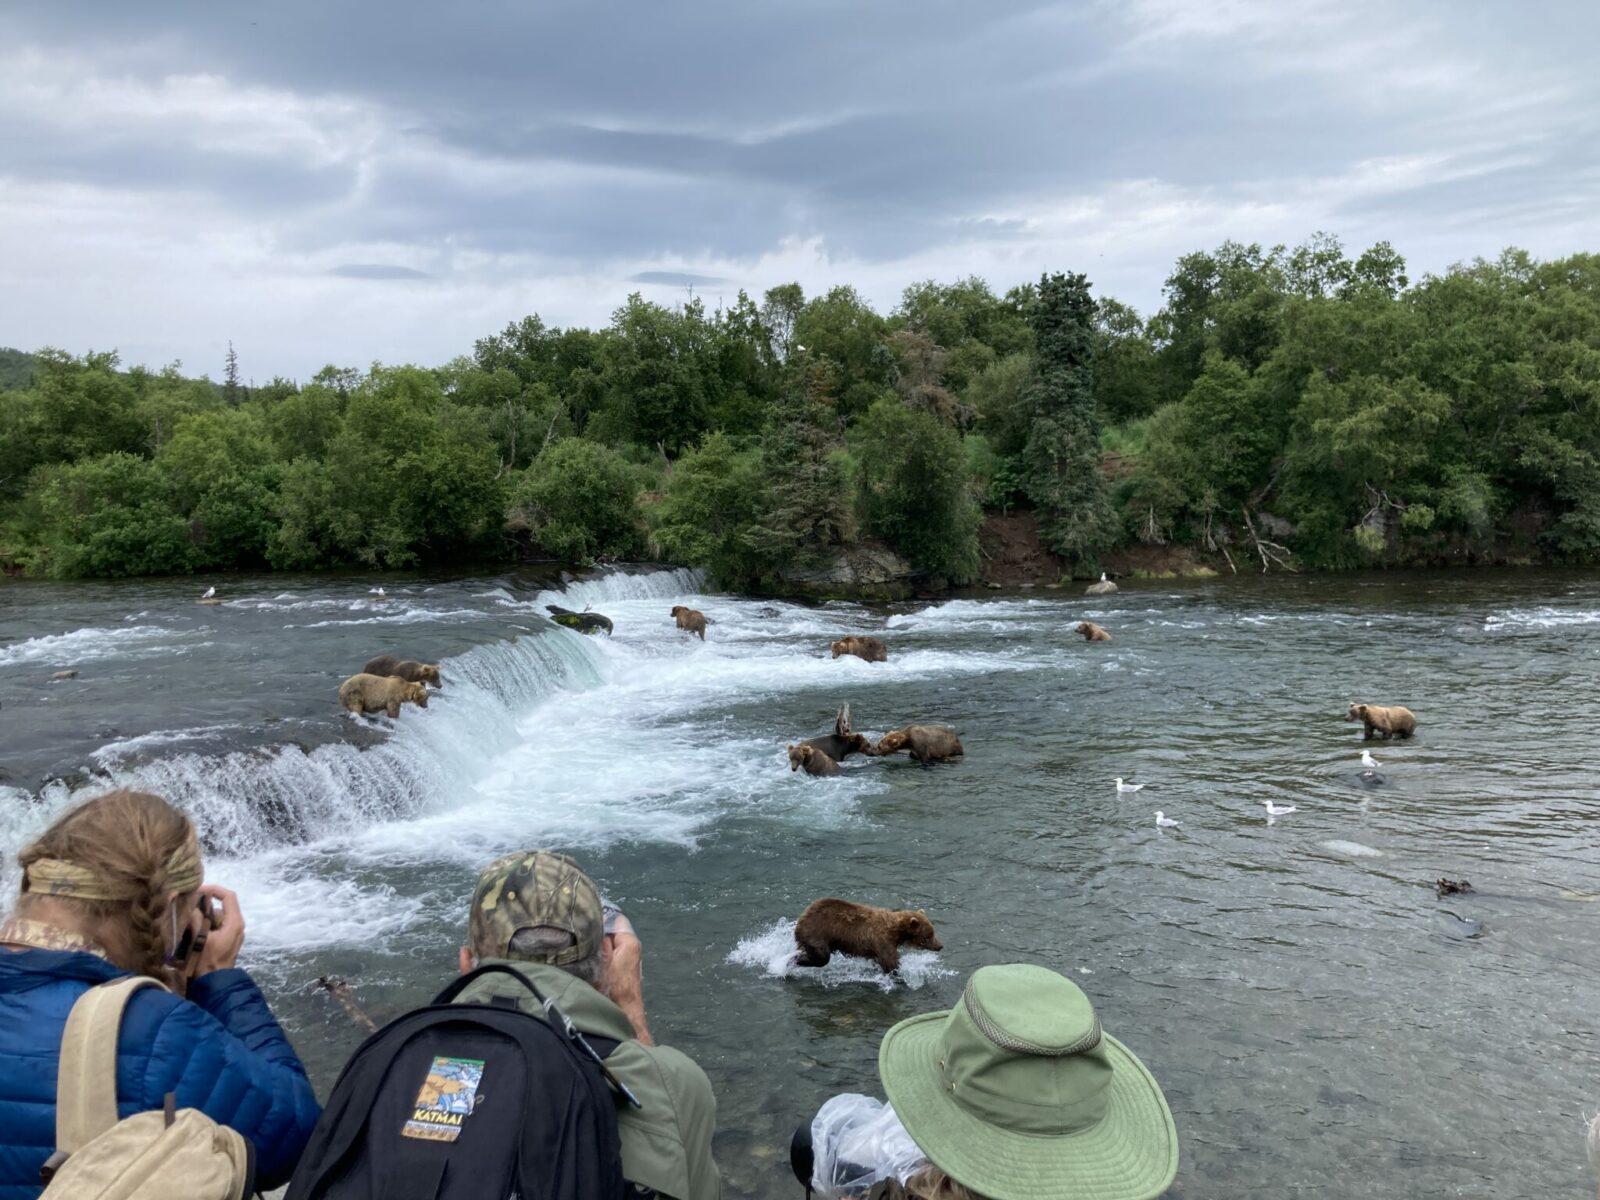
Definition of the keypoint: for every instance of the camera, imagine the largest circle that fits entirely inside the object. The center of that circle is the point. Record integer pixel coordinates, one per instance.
(194, 934)
(851, 1146)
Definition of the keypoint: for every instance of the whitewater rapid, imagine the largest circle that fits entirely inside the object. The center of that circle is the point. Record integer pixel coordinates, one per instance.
(541, 737)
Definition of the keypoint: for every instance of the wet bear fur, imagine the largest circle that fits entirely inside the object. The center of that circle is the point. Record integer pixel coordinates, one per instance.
(1092, 632)
(380, 693)
(1395, 722)
(690, 619)
(839, 746)
(405, 668)
(927, 743)
(838, 926)
(813, 760)
(870, 648)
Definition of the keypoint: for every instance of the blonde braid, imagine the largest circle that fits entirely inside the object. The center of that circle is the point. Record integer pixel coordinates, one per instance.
(127, 840)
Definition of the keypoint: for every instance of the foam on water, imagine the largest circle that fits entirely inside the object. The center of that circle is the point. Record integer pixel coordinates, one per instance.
(771, 951)
(1539, 618)
(81, 645)
(1350, 849)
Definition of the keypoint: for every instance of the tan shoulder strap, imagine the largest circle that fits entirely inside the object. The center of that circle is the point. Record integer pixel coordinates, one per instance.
(86, 1081)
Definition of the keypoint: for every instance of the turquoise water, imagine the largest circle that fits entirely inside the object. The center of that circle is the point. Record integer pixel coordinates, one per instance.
(1321, 1020)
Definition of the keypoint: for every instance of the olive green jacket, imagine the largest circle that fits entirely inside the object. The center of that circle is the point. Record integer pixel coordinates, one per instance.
(666, 1143)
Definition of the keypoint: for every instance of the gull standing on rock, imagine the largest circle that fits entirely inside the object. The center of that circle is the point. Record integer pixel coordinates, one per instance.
(1368, 761)
(210, 592)
(1164, 822)
(1127, 787)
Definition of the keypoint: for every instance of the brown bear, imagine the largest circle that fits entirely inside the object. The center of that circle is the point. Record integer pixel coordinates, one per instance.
(1092, 632)
(870, 648)
(380, 693)
(690, 619)
(404, 668)
(832, 925)
(813, 760)
(927, 743)
(841, 743)
(1391, 722)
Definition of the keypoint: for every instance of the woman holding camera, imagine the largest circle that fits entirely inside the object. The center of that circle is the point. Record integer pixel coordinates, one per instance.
(116, 888)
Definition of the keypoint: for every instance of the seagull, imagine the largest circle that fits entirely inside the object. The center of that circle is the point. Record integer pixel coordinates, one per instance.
(1103, 577)
(1368, 761)
(1164, 822)
(1277, 810)
(377, 591)
(210, 592)
(1127, 787)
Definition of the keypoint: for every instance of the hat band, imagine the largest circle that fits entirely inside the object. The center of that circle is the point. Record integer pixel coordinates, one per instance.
(1010, 1041)
(57, 877)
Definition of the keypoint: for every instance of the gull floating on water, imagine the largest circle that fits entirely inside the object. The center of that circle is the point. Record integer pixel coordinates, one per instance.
(1163, 821)
(1278, 810)
(210, 592)
(1127, 787)
(1368, 761)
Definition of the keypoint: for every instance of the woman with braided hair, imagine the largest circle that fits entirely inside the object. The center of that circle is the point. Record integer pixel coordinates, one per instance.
(115, 888)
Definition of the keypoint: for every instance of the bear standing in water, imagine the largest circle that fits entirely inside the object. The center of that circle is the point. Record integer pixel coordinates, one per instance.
(380, 693)
(841, 926)
(1396, 722)
(870, 648)
(404, 668)
(813, 760)
(1092, 632)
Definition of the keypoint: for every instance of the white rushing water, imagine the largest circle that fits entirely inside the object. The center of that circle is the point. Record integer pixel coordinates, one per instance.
(547, 737)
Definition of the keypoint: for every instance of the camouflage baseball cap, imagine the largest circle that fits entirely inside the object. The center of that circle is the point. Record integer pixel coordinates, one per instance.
(536, 888)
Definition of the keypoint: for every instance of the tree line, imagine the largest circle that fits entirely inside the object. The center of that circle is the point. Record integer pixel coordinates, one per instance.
(1282, 408)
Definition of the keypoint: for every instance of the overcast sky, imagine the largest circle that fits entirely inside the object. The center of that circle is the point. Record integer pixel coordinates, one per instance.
(360, 180)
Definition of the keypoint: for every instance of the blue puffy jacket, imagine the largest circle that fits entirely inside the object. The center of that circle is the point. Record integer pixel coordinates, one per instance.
(220, 1050)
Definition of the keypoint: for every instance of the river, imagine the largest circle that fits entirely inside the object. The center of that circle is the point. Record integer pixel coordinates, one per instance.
(1322, 1022)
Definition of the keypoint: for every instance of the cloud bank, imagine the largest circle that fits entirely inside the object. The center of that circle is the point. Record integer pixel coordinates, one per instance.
(367, 181)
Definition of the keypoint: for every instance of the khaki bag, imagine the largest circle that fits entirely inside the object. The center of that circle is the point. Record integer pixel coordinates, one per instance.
(174, 1154)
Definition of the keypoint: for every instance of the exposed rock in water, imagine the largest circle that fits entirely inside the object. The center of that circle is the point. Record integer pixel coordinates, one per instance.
(864, 571)
(1104, 588)
(60, 676)
(583, 622)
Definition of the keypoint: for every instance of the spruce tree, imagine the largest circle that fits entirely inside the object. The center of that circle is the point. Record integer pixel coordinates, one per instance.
(1062, 456)
(232, 393)
(809, 484)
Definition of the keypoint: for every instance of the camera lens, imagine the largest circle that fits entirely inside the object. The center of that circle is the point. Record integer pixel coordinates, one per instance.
(801, 1158)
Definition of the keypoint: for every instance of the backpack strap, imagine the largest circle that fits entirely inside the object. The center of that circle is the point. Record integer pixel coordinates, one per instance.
(86, 1078)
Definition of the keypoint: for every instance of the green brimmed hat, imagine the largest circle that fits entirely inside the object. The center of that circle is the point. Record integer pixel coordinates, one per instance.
(536, 888)
(1018, 1094)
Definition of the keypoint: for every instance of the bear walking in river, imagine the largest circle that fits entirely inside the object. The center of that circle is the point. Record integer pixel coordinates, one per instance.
(1395, 722)
(691, 620)
(927, 743)
(841, 926)
(1092, 632)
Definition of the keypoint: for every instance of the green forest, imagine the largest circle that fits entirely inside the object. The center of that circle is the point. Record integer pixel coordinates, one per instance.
(1284, 409)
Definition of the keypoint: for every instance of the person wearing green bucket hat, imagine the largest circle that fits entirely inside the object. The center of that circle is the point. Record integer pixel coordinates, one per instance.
(1016, 1093)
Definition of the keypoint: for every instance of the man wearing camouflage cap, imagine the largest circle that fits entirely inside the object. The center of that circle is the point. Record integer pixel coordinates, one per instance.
(538, 912)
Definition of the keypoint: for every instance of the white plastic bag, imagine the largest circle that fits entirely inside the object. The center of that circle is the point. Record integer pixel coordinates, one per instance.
(855, 1142)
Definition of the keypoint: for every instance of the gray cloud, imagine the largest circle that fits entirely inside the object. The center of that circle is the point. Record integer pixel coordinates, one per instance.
(376, 271)
(551, 155)
(676, 279)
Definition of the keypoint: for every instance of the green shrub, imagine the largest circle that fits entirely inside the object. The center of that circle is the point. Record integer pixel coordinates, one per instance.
(578, 502)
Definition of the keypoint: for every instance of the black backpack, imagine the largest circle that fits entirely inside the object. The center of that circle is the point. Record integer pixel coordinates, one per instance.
(459, 1101)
